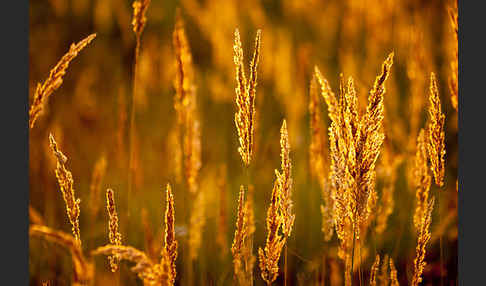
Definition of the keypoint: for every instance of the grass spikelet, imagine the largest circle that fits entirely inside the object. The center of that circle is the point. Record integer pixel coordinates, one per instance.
(114, 234)
(55, 79)
(65, 180)
(169, 252)
(270, 255)
(138, 21)
(82, 270)
(95, 186)
(327, 94)
(245, 97)
(436, 141)
(284, 180)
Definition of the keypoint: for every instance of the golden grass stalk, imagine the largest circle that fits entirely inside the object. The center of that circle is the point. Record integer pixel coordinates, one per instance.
(318, 154)
(184, 100)
(422, 179)
(422, 240)
(354, 142)
(161, 274)
(138, 21)
(192, 153)
(270, 255)
(393, 274)
(169, 253)
(423, 211)
(245, 97)
(284, 181)
(436, 141)
(185, 106)
(374, 270)
(113, 232)
(453, 79)
(65, 180)
(196, 225)
(95, 186)
(55, 79)
(144, 267)
(385, 208)
(82, 269)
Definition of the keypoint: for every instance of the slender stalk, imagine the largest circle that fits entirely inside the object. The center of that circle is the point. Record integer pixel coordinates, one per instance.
(352, 254)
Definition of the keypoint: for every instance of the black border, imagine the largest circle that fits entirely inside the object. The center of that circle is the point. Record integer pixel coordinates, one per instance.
(15, 135)
(472, 145)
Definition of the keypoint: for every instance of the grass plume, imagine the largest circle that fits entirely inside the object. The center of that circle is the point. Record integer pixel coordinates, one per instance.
(245, 97)
(65, 180)
(55, 79)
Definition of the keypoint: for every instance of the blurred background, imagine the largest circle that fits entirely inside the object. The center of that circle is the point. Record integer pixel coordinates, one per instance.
(88, 116)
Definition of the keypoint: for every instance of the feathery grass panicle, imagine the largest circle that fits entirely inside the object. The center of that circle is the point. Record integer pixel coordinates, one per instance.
(318, 156)
(138, 21)
(374, 270)
(82, 269)
(144, 267)
(65, 180)
(270, 255)
(422, 179)
(55, 79)
(245, 97)
(436, 141)
(95, 185)
(423, 211)
(169, 252)
(422, 240)
(114, 234)
(284, 180)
